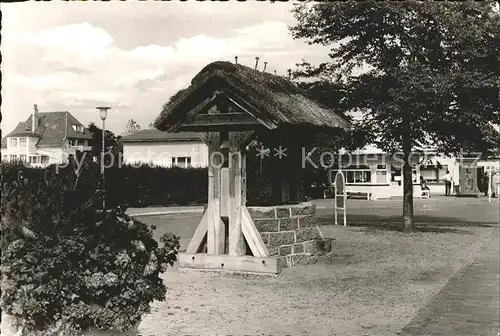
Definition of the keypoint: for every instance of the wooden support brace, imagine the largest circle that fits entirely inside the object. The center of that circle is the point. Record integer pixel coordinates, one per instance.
(252, 236)
(247, 264)
(195, 245)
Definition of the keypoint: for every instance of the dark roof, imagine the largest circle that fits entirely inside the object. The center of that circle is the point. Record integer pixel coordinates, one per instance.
(159, 136)
(277, 99)
(52, 128)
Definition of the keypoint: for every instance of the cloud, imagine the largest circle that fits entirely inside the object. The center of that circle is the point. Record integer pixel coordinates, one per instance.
(80, 66)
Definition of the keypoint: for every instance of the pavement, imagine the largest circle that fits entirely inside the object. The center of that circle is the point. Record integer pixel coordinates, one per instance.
(469, 304)
(321, 204)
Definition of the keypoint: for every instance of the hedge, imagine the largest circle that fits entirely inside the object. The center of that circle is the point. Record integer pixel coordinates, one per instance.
(66, 265)
(159, 186)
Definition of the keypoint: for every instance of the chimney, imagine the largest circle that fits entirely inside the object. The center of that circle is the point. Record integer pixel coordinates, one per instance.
(265, 66)
(289, 74)
(235, 59)
(34, 119)
(256, 62)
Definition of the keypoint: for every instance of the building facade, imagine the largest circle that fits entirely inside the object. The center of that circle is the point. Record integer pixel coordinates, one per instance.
(153, 147)
(46, 138)
(374, 172)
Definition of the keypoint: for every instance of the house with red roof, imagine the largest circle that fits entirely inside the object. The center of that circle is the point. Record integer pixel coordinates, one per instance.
(46, 138)
(165, 149)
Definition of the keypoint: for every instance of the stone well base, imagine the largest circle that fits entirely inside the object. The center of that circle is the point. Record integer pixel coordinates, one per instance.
(290, 232)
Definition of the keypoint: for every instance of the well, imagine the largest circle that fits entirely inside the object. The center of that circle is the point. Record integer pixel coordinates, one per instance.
(234, 106)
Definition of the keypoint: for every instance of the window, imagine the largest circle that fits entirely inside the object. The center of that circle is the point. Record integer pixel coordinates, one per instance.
(397, 175)
(13, 142)
(22, 157)
(78, 128)
(22, 142)
(354, 174)
(5, 158)
(183, 162)
(13, 157)
(73, 143)
(433, 173)
(45, 159)
(34, 159)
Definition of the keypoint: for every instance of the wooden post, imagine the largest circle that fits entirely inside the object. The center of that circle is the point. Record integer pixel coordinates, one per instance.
(236, 242)
(215, 225)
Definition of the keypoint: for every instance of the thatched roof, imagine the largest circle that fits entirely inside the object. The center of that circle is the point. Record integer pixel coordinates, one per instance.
(277, 99)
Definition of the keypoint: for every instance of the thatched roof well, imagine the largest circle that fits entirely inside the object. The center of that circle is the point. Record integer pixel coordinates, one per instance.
(277, 99)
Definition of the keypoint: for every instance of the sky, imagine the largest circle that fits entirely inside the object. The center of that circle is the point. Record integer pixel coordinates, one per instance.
(132, 56)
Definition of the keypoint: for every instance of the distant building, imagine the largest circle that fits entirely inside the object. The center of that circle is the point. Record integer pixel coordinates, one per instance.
(371, 170)
(46, 138)
(183, 149)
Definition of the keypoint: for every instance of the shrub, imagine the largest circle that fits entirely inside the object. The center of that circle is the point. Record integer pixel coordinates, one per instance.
(160, 186)
(66, 266)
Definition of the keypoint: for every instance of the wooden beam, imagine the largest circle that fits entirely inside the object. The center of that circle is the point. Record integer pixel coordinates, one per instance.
(215, 225)
(205, 105)
(243, 178)
(238, 101)
(210, 215)
(221, 128)
(225, 203)
(207, 120)
(252, 236)
(236, 240)
(239, 140)
(200, 235)
(243, 264)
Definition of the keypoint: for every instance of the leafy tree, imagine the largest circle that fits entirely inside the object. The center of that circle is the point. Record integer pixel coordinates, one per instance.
(151, 125)
(131, 127)
(112, 144)
(431, 71)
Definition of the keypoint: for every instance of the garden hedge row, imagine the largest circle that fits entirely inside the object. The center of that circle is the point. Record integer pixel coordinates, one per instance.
(150, 186)
(157, 186)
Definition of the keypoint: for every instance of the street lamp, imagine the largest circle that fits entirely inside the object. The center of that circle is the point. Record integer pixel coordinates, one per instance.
(104, 113)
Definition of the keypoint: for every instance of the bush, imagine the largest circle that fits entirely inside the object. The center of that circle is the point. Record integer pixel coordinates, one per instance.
(66, 266)
(157, 186)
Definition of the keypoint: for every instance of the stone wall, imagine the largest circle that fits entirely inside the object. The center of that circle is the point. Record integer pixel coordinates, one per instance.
(290, 232)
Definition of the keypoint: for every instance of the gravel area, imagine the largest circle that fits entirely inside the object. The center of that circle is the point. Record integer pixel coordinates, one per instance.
(373, 285)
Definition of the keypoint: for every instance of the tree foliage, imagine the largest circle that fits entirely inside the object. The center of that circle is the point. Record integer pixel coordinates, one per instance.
(430, 71)
(112, 143)
(66, 266)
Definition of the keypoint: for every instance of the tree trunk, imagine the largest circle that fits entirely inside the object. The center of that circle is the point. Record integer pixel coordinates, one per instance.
(408, 224)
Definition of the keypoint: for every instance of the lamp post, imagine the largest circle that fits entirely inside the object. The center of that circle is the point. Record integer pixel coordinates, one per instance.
(104, 113)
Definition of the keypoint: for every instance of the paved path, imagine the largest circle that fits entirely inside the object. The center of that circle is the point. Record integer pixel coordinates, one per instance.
(469, 302)
(322, 204)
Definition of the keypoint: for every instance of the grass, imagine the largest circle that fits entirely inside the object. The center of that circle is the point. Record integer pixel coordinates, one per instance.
(373, 284)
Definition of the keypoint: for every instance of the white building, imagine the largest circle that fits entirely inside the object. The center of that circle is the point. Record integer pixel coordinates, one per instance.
(183, 149)
(372, 171)
(46, 138)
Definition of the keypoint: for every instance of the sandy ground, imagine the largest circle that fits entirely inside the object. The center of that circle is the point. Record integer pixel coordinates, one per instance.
(374, 286)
